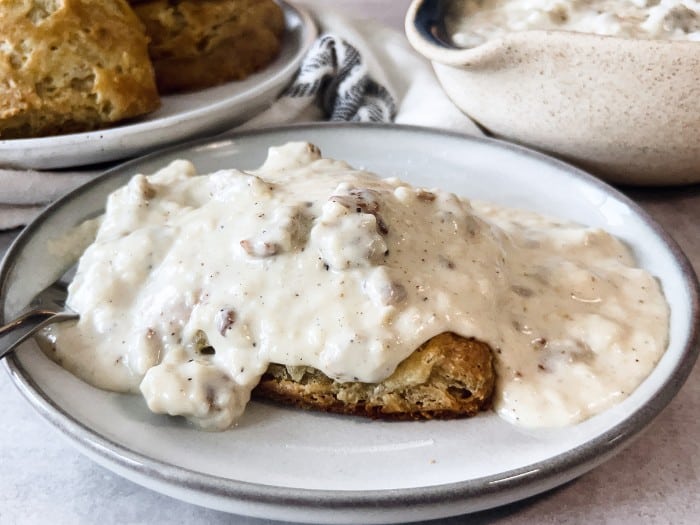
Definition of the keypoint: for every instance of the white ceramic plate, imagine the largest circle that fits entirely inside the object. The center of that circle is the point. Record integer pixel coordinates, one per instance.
(288, 464)
(180, 117)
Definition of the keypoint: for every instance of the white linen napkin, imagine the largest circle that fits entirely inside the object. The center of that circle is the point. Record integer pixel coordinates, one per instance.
(356, 70)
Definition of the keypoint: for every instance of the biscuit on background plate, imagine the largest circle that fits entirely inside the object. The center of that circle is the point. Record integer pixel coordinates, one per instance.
(196, 44)
(71, 65)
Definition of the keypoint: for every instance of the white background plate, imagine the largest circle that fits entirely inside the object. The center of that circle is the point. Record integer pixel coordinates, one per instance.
(288, 464)
(180, 116)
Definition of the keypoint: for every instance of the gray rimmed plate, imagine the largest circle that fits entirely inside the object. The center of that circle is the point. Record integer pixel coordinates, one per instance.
(282, 463)
(180, 117)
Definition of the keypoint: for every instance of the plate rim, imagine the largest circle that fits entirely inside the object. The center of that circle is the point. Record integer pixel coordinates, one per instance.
(309, 32)
(547, 473)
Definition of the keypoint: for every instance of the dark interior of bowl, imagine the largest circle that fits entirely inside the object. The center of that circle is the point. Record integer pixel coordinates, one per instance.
(430, 22)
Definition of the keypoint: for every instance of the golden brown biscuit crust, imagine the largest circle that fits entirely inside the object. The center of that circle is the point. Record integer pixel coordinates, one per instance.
(71, 65)
(201, 43)
(447, 377)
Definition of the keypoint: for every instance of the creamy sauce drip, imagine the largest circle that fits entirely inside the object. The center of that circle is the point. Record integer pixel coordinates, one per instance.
(472, 22)
(194, 284)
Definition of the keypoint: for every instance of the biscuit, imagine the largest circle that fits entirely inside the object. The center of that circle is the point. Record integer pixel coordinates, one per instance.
(201, 43)
(71, 65)
(447, 377)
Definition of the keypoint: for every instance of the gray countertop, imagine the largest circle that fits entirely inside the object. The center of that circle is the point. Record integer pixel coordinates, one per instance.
(655, 480)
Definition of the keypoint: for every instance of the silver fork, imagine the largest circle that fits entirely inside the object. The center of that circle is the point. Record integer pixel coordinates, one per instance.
(49, 306)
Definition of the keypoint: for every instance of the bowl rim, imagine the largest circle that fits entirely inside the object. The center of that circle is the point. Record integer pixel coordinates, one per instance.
(423, 34)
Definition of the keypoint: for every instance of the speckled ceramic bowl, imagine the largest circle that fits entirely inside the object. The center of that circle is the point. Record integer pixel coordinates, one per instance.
(627, 110)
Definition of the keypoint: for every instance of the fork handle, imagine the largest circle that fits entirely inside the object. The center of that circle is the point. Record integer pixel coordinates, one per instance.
(20, 329)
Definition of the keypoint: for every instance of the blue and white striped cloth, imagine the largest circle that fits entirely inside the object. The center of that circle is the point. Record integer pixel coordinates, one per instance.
(334, 75)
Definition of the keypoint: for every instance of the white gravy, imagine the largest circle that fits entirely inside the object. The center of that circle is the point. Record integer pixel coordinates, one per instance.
(472, 22)
(194, 284)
